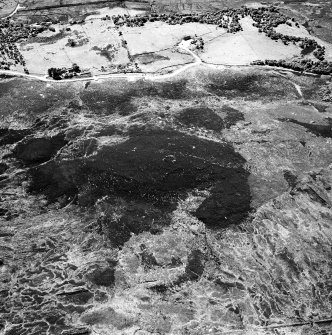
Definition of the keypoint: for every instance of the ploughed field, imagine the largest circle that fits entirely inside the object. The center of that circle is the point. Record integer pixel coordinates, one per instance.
(196, 205)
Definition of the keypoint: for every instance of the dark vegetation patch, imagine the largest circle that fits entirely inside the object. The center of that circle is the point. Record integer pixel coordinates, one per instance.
(7, 86)
(107, 52)
(101, 100)
(200, 117)
(311, 91)
(119, 221)
(48, 39)
(78, 41)
(320, 107)
(167, 90)
(161, 289)
(127, 108)
(229, 202)
(195, 267)
(39, 150)
(78, 297)
(50, 122)
(308, 50)
(11, 136)
(249, 85)
(290, 178)
(316, 129)
(232, 116)
(103, 276)
(79, 12)
(208, 119)
(150, 172)
(3, 168)
(31, 99)
(150, 58)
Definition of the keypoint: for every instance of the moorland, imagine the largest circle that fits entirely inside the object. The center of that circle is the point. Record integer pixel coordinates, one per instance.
(165, 168)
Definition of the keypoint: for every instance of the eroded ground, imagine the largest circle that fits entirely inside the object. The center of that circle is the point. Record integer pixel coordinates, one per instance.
(198, 205)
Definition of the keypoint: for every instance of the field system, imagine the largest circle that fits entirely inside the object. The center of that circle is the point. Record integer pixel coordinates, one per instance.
(61, 40)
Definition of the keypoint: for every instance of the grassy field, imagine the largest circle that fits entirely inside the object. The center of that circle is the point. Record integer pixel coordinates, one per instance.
(158, 61)
(245, 47)
(102, 47)
(7, 7)
(156, 36)
(303, 32)
(97, 47)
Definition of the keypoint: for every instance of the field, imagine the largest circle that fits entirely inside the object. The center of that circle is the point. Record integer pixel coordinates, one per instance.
(86, 34)
(97, 47)
(245, 47)
(7, 7)
(156, 36)
(303, 32)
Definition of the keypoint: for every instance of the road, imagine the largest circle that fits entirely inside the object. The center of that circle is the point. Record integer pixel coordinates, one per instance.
(12, 13)
(184, 45)
(131, 76)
